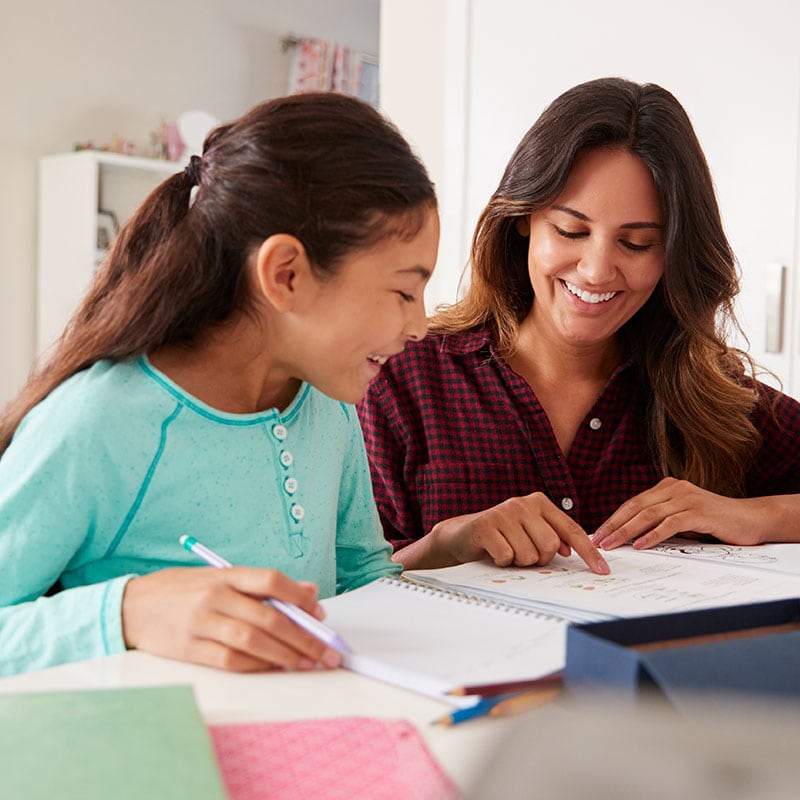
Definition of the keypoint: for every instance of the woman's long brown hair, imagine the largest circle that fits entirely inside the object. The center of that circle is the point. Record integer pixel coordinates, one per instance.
(699, 412)
(325, 168)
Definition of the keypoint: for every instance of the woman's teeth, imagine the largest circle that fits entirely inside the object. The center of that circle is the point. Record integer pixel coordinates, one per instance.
(589, 297)
(379, 359)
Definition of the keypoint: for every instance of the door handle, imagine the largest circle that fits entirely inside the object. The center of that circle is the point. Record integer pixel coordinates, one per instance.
(776, 289)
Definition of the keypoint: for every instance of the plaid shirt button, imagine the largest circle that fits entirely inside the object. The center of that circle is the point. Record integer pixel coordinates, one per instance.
(595, 423)
(567, 504)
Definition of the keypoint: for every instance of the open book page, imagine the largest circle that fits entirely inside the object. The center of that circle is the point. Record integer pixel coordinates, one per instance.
(783, 558)
(642, 582)
(397, 630)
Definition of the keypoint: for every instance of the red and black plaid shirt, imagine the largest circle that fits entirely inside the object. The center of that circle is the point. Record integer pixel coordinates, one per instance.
(450, 429)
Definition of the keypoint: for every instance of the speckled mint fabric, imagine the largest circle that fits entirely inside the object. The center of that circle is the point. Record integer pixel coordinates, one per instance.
(105, 475)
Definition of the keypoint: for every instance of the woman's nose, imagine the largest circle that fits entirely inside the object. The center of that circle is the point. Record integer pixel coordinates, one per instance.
(598, 265)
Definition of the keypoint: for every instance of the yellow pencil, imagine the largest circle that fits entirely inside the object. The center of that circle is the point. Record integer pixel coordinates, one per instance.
(523, 702)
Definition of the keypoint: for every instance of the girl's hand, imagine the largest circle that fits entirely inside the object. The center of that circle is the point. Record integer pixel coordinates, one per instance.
(217, 617)
(673, 507)
(520, 531)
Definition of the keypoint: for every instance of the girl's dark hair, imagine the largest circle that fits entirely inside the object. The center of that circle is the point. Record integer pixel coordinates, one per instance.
(699, 413)
(326, 168)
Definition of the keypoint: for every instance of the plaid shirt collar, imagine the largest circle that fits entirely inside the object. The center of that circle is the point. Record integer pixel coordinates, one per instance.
(480, 339)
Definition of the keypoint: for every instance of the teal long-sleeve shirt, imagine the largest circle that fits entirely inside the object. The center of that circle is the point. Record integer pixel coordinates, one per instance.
(104, 476)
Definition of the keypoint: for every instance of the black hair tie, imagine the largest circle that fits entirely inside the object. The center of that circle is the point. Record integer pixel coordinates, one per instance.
(193, 170)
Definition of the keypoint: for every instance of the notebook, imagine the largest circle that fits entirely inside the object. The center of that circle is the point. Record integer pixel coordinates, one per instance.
(384, 760)
(432, 640)
(106, 743)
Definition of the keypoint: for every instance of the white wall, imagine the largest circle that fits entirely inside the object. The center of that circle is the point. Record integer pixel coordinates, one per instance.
(426, 45)
(90, 69)
(734, 66)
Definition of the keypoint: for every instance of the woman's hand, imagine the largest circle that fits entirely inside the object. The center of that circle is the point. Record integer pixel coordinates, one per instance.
(673, 507)
(217, 617)
(520, 531)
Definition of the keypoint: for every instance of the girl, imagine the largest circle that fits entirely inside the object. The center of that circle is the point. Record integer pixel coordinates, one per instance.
(204, 387)
(583, 384)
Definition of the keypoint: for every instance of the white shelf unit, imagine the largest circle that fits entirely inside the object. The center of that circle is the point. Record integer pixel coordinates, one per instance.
(73, 188)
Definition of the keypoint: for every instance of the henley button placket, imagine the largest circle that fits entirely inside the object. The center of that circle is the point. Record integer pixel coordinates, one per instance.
(290, 487)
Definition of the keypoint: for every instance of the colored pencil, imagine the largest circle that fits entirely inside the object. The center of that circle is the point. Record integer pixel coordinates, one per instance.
(523, 702)
(550, 681)
(502, 705)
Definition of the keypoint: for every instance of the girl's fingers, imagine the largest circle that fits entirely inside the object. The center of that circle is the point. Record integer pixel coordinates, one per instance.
(212, 653)
(265, 583)
(219, 617)
(267, 647)
(259, 629)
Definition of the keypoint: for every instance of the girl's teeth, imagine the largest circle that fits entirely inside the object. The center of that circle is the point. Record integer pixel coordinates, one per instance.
(379, 359)
(589, 297)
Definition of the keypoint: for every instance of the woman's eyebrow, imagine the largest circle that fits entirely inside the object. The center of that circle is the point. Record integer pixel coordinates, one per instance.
(629, 225)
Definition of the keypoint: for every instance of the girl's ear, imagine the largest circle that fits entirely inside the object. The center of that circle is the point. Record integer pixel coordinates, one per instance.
(524, 225)
(282, 268)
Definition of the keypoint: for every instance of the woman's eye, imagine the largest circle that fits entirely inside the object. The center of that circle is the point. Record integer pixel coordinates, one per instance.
(570, 234)
(636, 248)
(409, 298)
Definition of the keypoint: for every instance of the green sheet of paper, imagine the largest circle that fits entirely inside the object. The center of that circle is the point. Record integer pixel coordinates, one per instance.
(145, 744)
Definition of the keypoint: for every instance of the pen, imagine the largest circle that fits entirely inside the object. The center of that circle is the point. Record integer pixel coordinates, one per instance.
(502, 705)
(297, 615)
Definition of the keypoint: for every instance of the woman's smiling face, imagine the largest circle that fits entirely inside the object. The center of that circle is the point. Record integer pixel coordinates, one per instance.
(596, 254)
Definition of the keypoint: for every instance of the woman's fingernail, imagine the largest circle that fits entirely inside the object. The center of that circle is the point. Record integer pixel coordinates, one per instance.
(601, 567)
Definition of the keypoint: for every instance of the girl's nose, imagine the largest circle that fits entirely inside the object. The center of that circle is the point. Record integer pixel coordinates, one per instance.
(417, 325)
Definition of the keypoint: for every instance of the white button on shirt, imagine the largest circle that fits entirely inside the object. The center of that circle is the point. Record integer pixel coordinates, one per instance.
(279, 432)
(298, 512)
(290, 485)
(286, 458)
(595, 424)
(567, 504)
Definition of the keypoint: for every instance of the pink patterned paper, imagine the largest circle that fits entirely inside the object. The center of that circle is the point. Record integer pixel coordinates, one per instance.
(330, 759)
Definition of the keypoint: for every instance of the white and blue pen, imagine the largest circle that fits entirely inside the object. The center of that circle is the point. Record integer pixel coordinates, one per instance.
(297, 615)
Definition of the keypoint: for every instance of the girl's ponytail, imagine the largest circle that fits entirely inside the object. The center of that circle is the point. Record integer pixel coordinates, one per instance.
(326, 168)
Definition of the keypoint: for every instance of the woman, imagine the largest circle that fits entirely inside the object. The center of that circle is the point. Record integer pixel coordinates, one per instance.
(583, 384)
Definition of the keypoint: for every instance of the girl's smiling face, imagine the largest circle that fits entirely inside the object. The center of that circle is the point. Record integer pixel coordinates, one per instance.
(596, 254)
(367, 312)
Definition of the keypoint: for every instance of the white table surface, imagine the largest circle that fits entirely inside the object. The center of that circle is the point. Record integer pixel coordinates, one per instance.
(594, 746)
(462, 750)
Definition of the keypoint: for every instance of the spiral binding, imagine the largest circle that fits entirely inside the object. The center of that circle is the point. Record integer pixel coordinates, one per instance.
(466, 599)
